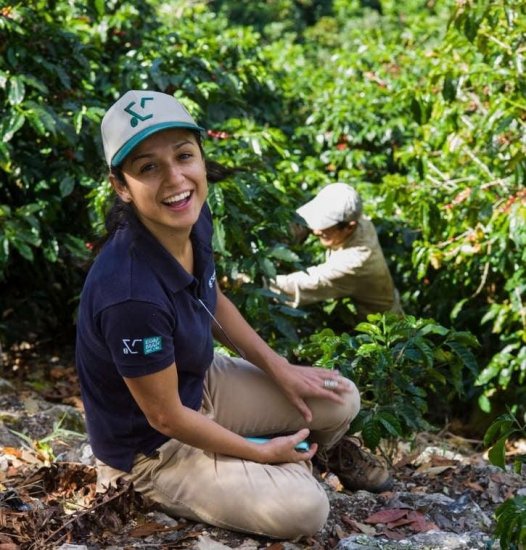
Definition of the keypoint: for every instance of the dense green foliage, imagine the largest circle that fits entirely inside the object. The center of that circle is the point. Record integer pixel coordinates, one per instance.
(398, 364)
(511, 523)
(419, 105)
(510, 515)
(504, 428)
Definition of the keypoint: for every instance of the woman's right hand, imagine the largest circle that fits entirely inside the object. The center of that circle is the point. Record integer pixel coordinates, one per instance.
(282, 449)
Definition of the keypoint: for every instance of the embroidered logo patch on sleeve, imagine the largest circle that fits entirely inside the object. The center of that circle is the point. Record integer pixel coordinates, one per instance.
(152, 344)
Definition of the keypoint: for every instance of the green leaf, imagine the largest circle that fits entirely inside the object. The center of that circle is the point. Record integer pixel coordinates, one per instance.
(416, 110)
(410, 355)
(449, 89)
(267, 267)
(66, 186)
(433, 328)
(490, 372)
(497, 453)
(368, 328)
(218, 239)
(518, 462)
(471, 26)
(358, 422)
(282, 253)
(36, 83)
(75, 246)
(371, 434)
(5, 157)
(390, 423)
(24, 249)
(51, 251)
(466, 338)
(498, 427)
(17, 90)
(465, 355)
(256, 146)
(511, 523)
(458, 308)
(484, 403)
(366, 350)
(47, 119)
(100, 7)
(78, 118)
(14, 123)
(425, 349)
(286, 328)
(36, 122)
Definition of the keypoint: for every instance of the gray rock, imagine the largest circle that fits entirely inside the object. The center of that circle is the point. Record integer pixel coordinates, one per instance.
(63, 416)
(80, 452)
(432, 540)
(7, 437)
(6, 387)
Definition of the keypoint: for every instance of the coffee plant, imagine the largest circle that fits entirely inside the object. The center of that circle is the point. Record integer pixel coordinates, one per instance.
(399, 364)
(511, 514)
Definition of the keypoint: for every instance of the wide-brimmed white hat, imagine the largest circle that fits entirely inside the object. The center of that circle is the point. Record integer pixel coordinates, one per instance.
(335, 203)
(137, 115)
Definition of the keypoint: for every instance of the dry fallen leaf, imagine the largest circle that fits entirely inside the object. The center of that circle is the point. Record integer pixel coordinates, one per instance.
(151, 528)
(419, 523)
(430, 470)
(387, 515)
(359, 527)
(333, 481)
(340, 533)
(474, 486)
(12, 451)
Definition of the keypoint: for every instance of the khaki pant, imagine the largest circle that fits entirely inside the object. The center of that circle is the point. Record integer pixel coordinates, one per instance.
(274, 500)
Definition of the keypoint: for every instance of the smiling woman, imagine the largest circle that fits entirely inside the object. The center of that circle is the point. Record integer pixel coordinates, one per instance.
(164, 178)
(163, 409)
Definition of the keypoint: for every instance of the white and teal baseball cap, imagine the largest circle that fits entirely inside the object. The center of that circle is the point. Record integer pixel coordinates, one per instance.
(137, 115)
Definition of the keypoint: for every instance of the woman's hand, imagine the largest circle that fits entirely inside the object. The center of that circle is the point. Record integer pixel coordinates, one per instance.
(299, 383)
(282, 449)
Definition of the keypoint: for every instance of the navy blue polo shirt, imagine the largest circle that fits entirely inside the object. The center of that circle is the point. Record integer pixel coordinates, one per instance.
(139, 312)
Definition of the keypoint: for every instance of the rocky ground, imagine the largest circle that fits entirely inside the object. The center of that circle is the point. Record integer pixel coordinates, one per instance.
(444, 496)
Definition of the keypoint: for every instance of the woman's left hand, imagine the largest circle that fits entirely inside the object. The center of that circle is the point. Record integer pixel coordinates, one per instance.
(299, 382)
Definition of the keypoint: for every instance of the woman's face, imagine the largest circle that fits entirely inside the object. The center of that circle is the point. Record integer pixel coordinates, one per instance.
(165, 181)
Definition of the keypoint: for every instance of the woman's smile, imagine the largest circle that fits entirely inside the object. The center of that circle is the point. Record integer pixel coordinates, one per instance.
(178, 201)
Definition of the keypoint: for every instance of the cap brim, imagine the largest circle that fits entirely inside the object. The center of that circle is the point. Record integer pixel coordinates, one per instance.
(313, 217)
(128, 147)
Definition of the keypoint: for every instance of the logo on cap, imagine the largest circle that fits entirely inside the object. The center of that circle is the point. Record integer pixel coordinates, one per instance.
(136, 117)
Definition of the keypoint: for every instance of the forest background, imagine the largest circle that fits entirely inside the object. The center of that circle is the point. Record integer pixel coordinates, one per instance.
(420, 105)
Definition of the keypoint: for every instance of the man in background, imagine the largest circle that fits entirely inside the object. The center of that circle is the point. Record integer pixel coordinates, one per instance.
(354, 266)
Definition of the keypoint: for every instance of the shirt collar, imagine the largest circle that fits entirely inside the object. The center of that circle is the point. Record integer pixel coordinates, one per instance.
(144, 244)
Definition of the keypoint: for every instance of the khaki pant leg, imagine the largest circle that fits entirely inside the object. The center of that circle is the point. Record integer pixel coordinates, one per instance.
(279, 500)
(245, 400)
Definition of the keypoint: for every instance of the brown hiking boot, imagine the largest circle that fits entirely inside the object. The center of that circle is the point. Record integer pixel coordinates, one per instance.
(356, 468)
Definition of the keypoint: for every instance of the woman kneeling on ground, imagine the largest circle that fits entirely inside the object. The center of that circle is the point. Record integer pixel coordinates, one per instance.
(162, 409)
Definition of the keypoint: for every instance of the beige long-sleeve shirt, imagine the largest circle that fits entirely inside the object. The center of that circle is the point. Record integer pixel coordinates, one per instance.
(357, 269)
